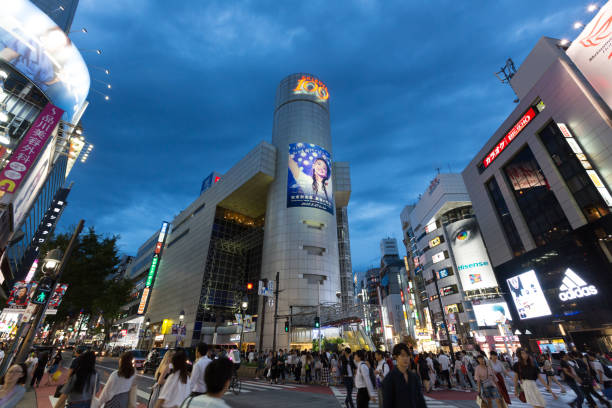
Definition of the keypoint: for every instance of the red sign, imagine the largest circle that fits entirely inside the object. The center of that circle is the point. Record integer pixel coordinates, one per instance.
(510, 136)
(158, 247)
(26, 153)
(402, 296)
(143, 300)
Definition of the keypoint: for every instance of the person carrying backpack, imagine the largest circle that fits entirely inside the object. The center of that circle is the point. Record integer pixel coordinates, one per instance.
(347, 368)
(363, 380)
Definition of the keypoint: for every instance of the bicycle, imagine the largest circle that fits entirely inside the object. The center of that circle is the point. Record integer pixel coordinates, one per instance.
(235, 384)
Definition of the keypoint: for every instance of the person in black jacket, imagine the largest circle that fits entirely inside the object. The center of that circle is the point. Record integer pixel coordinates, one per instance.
(347, 368)
(402, 387)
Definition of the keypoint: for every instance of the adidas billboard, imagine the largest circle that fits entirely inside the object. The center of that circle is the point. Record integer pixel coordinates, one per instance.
(573, 286)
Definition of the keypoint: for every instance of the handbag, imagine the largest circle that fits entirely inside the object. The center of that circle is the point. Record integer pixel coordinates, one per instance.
(58, 391)
(479, 400)
(521, 393)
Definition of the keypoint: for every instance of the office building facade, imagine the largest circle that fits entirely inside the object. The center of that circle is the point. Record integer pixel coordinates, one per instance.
(540, 185)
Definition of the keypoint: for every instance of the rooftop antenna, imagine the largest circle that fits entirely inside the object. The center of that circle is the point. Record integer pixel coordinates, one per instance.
(506, 73)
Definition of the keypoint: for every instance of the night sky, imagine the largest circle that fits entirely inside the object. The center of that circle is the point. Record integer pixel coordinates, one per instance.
(412, 89)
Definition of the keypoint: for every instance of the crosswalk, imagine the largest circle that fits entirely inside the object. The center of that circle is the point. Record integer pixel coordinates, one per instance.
(340, 394)
(247, 386)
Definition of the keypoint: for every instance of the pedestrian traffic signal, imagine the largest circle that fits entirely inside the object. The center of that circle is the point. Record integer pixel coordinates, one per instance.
(287, 326)
(317, 322)
(43, 291)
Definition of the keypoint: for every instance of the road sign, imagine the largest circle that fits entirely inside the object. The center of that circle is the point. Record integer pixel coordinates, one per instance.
(262, 290)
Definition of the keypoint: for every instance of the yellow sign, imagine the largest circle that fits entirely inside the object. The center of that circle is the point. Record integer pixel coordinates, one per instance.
(166, 326)
(310, 85)
(435, 242)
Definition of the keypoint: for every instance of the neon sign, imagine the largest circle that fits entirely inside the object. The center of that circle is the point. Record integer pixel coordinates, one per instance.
(312, 86)
(573, 286)
(154, 263)
(510, 136)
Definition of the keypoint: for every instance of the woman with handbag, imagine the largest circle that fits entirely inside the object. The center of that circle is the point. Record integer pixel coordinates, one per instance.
(527, 375)
(500, 370)
(81, 387)
(119, 390)
(550, 373)
(178, 385)
(487, 383)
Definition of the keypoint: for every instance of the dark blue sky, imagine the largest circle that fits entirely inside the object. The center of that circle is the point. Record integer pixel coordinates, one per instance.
(412, 89)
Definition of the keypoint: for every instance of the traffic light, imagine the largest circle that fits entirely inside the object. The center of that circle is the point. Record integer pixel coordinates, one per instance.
(43, 291)
(317, 322)
(249, 287)
(287, 326)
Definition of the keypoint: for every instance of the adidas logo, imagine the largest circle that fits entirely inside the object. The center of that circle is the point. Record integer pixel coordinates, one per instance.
(573, 286)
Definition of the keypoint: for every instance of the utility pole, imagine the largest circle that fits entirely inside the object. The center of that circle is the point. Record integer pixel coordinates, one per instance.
(22, 354)
(263, 318)
(276, 292)
(290, 324)
(450, 341)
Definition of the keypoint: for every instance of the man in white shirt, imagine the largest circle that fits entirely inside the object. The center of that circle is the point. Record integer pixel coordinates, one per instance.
(198, 386)
(365, 389)
(444, 369)
(382, 369)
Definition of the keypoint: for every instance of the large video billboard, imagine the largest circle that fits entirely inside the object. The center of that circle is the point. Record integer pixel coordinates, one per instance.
(310, 177)
(35, 46)
(528, 296)
(471, 256)
(591, 52)
(491, 314)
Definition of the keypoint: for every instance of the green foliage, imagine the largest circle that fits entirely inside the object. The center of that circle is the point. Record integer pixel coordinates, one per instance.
(89, 274)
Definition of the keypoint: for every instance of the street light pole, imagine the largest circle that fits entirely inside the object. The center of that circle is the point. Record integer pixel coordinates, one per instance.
(448, 338)
(40, 309)
(243, 308)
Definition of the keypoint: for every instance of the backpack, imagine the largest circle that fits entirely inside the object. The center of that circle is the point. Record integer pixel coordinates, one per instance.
(390, 364)
(606, 368)
(436, 364)
(371, 373)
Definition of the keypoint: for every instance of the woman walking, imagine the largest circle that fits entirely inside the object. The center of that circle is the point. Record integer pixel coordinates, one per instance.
(550, 373)
(81, 387)
(54, 367)
(161, 374)
(119, 390)
(39, 371)
(178, 385)
(498, 368)
(324, 370)
(487, 383)
(527, 375)
(13, 385)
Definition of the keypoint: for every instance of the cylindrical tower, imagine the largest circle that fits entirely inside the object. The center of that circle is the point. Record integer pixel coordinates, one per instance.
(300, 238)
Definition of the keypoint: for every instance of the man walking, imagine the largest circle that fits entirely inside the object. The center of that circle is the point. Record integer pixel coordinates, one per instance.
(347, 368)
(401, 387)
(444, 369)
(571, 379)
(382, 369)
(198, 385)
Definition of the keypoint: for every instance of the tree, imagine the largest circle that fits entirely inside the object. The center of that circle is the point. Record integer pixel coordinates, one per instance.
(90, 274)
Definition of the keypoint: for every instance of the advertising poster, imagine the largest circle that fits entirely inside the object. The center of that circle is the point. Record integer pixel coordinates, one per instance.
(58, 294)
(528, 296)
(36, 47)
(20, 294)
(492, 314)
(591, 51)
(310, 179)
(471, 256)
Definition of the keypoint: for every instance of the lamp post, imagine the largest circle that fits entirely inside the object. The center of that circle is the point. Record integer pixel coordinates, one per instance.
(243, 306)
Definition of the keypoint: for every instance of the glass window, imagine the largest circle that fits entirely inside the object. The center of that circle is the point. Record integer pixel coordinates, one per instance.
(505, 218)
(537, 202)
(573, 173)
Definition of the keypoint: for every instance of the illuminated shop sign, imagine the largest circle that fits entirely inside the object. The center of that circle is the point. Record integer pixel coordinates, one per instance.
(510, 136)
(436, 241)
(153, 269)
(573, 144)
(312, 86)
(440, 256)
(449, 290)
(443, 273)
(432, 226)
(573, 286)
(528, 295)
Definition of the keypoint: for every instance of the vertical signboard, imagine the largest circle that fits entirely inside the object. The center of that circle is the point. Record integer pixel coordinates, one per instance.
(471, 256)
(592, 54)
(153, 269)
(309, 183)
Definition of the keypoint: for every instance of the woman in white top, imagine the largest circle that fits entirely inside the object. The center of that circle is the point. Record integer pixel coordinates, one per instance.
(178, 386)
(120, 387)
(316, 183)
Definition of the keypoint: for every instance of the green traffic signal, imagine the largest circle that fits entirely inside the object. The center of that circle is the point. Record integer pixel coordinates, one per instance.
(317, 322)
(286, 327)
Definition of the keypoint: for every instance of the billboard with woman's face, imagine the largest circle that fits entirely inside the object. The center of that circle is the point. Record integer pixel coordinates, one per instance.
(36, 47)
(310, 179)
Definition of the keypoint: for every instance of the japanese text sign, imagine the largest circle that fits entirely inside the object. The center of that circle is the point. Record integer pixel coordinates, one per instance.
(25, 156)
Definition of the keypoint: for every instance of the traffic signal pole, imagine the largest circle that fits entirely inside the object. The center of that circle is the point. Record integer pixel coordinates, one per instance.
(22, 354)
(276, 292)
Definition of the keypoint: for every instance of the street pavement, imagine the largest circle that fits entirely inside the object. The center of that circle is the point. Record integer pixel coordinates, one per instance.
(259, 393)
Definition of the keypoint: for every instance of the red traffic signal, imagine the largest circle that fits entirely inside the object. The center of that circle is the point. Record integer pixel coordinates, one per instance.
(249, 286)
